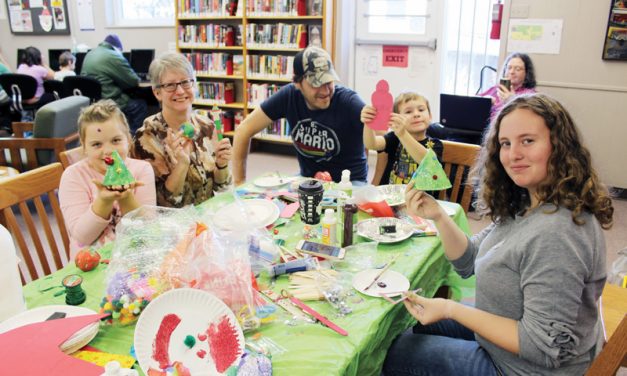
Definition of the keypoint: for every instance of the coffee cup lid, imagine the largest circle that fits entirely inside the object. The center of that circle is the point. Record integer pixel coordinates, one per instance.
(310, 186)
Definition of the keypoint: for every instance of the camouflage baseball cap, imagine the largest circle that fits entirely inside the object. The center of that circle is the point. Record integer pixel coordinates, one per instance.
(314, 64)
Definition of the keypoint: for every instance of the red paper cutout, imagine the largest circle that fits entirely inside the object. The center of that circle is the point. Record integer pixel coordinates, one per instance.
(34, 349)
(161, 343)
(223, 344)
(381, 100)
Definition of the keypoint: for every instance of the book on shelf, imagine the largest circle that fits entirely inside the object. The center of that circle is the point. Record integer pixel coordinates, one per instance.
(216, 92)
(238, 65)
(315, 36)
(315, 7)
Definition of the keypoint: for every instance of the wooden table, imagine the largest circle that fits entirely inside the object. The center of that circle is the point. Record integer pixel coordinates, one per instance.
(613, 307)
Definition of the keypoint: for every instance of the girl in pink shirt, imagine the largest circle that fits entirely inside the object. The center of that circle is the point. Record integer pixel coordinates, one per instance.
(91, 210)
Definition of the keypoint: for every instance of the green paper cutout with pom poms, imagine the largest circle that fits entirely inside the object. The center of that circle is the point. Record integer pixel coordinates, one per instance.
(117, 173)
(188, 130)
(430, 176)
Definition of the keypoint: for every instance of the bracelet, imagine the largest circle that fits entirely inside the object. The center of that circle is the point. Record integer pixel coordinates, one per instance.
(222, 168)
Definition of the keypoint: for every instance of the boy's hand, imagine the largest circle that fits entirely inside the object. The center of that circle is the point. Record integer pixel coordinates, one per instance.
(368, 113)
(399, 124)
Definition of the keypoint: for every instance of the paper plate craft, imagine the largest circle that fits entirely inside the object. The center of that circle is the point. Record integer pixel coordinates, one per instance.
(256, 213)
(381, 100)
(117, 174)
(430, 176)
(390, 282)
(188, 130)
(190, 331)
(393, 194)
(385, 229)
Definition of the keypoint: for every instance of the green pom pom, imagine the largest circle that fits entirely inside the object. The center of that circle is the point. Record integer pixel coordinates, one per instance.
(189, 341)
(188, 130)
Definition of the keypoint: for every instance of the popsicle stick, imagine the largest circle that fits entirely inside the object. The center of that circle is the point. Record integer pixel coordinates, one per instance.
(385, 269)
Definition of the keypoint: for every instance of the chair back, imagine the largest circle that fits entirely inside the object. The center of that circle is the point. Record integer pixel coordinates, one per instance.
(12, 298)
(614, 353)
(42, 251)
(458, 158)
(19, 87)
(54, 87)
(69, 157)
(24, 154)
(83, 85)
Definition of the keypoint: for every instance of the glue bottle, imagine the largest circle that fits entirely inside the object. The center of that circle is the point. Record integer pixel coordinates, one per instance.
(329, 227)
(345, 184)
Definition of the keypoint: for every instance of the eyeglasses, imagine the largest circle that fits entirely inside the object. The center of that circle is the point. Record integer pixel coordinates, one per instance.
(171, 86)
(515, 69)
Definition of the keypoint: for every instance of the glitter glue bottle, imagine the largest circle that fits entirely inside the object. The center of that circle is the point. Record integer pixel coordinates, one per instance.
(298, 265)
(329, 227)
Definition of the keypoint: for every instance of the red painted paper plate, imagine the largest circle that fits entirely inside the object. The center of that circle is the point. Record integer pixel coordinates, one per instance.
(164, 332)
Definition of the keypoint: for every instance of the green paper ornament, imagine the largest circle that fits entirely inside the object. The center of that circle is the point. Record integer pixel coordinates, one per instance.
(430, 176)
(188, 130)
(117, 173)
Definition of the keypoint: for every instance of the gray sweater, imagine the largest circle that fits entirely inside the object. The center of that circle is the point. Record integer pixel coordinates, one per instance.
(547, 273)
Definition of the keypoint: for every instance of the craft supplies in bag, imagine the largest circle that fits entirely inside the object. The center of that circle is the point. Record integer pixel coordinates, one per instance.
(304, 285)
(336, 290)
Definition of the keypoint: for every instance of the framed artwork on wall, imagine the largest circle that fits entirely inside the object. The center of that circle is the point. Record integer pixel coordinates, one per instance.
(615, 47)
(43, 17)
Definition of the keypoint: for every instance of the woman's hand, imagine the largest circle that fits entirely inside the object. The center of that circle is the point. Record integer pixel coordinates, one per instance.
(428, 311)
(178, 146)
(223, 152)
(421, 204)
(399, 124)
(504, 93)
(368, 113)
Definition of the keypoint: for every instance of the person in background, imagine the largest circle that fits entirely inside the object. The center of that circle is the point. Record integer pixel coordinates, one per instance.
(407, 143)
(518, 69)
(90, 209)
(66, 66)
(106, 64)
(32, 64)
(540, 265)
(5, 104)
(324, 121)
(188, 168)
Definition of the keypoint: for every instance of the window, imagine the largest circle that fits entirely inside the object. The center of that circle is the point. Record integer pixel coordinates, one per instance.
(467, 47)
(406, 22)
(140, 13)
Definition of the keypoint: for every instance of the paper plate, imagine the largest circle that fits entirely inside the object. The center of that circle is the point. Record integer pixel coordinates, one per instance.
(390, 281)
(198, 311)
(255, 212)
(449, 207)
(40, 314)
(372, 228)
(271, 181)
(393, 194)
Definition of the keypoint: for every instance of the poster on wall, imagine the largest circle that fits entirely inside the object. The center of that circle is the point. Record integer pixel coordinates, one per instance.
(535, 36)
(615, 46)
(38, 17)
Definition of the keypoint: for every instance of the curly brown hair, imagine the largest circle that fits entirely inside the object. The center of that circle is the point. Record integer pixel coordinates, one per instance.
(571, 180)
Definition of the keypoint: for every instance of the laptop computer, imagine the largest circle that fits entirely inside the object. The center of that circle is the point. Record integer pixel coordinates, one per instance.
(465, 114)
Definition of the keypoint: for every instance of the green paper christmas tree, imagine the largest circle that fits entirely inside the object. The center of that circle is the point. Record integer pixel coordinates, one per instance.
(188, 130)
(117, 173)
(430, 176)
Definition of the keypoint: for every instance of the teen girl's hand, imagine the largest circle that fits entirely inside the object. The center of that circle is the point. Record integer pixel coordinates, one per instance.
(428, 311)
(421, 204)
(368, 113)
(399, 124)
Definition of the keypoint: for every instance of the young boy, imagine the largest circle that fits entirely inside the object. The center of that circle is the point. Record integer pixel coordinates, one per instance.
(407, 143)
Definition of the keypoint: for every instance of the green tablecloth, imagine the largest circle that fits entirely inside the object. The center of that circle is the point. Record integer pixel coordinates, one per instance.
(311, 349)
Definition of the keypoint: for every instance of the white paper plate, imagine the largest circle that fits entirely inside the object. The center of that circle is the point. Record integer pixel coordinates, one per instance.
(40, 314)
(370, 228)
(197, 310)
(255, 212)
(449, 207)
(390, 280)
(393, 194)
(271, 181)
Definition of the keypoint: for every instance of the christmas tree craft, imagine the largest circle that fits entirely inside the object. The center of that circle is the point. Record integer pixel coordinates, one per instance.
(117, 173)
(430, 176)
(188, 130)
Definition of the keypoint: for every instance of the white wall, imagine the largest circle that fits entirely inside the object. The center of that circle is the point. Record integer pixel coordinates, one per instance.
(157, 38)
(592, 89)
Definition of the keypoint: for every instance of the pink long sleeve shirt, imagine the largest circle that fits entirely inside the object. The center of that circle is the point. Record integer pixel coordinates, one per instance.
(77, 192)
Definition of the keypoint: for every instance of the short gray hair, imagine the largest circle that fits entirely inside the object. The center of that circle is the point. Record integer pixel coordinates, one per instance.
(169, 61)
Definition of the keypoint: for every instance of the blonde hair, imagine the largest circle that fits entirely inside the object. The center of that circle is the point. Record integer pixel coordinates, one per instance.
(100, 112)
(403, 98)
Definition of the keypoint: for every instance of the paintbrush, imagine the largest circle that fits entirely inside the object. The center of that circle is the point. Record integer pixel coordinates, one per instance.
(385, 269)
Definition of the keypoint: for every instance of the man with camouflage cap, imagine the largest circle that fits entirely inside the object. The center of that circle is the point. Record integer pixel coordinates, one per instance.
(324, 121)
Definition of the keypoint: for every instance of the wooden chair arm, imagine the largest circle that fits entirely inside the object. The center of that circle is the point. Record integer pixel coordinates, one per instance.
(20, 127)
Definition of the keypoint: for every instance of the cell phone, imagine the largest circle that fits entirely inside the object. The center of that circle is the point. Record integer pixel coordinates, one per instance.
(507, 83)
(321, 250)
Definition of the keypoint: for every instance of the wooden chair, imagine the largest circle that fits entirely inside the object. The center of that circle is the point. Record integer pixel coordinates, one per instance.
(614, 353)
(458, 158)
(31, 186)
(69, 157)
(23, 152)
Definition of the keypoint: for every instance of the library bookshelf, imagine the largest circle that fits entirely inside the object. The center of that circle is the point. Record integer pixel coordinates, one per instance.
(242, 51)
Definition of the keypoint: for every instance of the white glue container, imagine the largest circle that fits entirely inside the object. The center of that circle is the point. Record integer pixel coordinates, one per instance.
(345, 184)
(329, 227)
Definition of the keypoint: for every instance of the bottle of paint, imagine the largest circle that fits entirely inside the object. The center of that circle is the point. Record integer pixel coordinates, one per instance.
(345, 184)
(329, 227)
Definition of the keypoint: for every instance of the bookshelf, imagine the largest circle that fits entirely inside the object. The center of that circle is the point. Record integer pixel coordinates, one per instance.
(243, 51)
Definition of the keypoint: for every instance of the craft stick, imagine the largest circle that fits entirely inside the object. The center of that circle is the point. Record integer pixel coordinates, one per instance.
(386, 295)
(385, 269)
(318, 316)
(293, 254)
(282, 255)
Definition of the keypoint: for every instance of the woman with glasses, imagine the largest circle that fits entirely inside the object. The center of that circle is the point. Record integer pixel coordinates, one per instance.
(518, 70)
(188, 167)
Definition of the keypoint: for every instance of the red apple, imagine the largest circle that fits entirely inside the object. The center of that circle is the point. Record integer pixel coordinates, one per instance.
(86, 260)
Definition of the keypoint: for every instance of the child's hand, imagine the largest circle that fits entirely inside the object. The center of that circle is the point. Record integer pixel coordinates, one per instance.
(399, 124)
(368, 113)
(421, 204)
(428, 311)
(116, 193)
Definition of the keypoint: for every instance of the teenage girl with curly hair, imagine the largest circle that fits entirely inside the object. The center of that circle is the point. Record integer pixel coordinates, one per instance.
(540, 265)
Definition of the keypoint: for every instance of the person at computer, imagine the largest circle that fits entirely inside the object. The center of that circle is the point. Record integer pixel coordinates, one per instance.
(188, 169)
(106, 64)
(518, 69)
(6, 118)
(66, 66)
(32, 64)
(540, 265)
(324, 121)
(407, 143)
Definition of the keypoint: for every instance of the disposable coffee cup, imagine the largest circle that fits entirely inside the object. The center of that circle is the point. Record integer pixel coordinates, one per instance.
(310, 196)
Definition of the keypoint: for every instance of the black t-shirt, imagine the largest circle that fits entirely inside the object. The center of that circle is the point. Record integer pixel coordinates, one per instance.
(401, 165)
